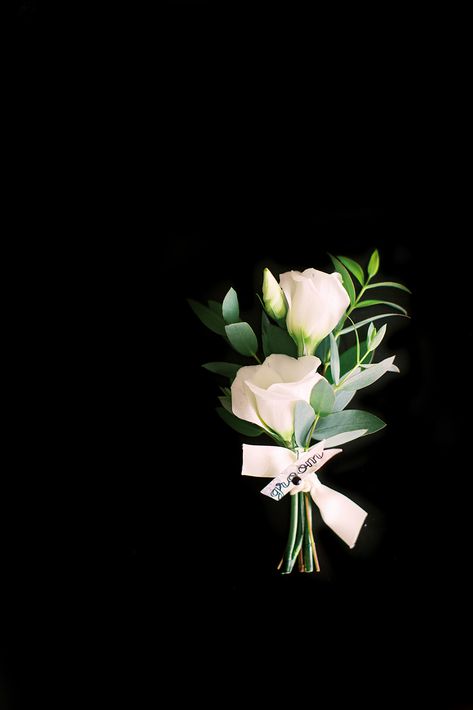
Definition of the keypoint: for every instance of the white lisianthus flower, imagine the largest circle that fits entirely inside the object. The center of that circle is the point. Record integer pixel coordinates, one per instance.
(316, 302)
(266, 394)
(273, 297)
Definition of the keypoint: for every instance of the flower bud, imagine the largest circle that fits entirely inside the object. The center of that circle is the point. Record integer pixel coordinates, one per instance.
(273, 297)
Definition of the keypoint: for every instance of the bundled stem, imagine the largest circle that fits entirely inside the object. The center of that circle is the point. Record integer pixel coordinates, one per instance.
(300, 544)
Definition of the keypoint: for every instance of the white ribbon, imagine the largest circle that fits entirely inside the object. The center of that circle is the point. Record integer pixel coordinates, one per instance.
(340, 513)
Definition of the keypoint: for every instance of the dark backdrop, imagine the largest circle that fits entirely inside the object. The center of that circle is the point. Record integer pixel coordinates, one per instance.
(114, 566)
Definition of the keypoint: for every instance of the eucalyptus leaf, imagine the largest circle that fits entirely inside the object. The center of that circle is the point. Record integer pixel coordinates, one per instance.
(373, 264)
(375, 302)
(342, 400)
(354, 267)
(212, 320)
(242, 337)
(226, 403)
(368, 376)
(322, 398)
(344, 438)
(276, 340)
(346, 278)
(349, 420)
(369, 320)
(230, 307)
(304, 417)
(227, 369)
(389, 284)
(239, 425)
(334, 360)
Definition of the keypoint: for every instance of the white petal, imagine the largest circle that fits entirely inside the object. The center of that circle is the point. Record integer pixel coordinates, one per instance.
(266, 461)
(275, 409)
(243, 401)
(291, 369)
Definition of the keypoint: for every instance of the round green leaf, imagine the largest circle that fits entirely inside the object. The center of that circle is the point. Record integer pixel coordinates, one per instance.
(243, 338)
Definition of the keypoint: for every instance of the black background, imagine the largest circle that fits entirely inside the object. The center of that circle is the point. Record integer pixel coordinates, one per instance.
(157, 163)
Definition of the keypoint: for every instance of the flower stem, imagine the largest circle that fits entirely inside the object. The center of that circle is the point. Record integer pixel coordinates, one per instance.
(308, 508)
(307, 548)
(288, 554)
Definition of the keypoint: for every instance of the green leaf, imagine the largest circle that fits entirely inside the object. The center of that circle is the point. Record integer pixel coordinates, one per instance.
(227, 369)
(375, 302)
(215, 306)
(371, 333)
(388, 284)
(323, 349)
(346, 278)
(354, 267)
(349, 420)
(226, 403)
(370, 375)
(242, 337)
(369, 320)
(212, 320)
(230, 307)
(373, 264)
(344, 438)
(342, 399)
(322, 398)
(376, 339)
(348, 360)
(276, 340)
(334, 360)
(239, 425)
(303, 419)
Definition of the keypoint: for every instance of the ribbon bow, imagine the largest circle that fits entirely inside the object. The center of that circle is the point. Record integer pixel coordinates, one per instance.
(340, 513)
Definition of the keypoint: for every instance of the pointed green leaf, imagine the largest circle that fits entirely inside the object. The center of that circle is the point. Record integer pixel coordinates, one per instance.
(227, 369)
(212, 320)
(239, 425)
(373, 264)
(322, 398)
(377, 338)
(388, 284)
(215, 306)
(349, 420)
(371, 333)
(303, 419)
(230, 307)
(334, 360)
(369, 320)
(375, 302)
(344, 438)
(354, 267)
(346, 278)
(242, 337)
(370, 375)
(348, 361)
(276, 340)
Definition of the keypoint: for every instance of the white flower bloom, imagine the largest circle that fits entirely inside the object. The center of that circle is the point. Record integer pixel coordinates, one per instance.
(267, 394)
(316, 302)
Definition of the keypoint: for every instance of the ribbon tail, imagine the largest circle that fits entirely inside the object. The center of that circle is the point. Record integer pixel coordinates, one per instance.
(340, 513)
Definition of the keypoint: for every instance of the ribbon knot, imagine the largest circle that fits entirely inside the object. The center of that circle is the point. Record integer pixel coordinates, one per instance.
(342, 515)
